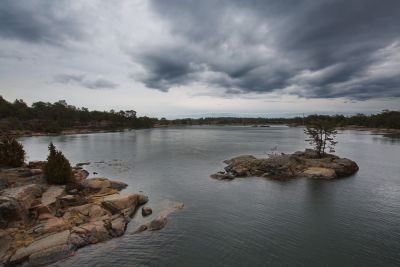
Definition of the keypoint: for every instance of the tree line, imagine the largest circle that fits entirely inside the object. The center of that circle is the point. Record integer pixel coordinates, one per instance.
(58, 116)
(385, 119)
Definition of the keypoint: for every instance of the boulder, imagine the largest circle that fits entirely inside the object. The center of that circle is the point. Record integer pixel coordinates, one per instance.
(16, 202)
(146, 211)
(49, 203)
(51, 196)
(345, 167)
(118, 226)
(11, 212)
(116, 203)
(160, 221)
(24, 195)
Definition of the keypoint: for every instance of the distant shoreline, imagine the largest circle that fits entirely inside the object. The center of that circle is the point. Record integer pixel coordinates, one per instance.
(90, 131)
(64, 132)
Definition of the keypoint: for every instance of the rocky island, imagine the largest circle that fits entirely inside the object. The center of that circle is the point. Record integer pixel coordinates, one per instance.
(286, 166)
(42, 223)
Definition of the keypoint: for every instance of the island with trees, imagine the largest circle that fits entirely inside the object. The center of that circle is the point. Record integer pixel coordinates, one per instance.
(312, 163)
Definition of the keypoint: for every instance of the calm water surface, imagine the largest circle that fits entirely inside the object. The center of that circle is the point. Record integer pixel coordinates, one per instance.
(247, 222)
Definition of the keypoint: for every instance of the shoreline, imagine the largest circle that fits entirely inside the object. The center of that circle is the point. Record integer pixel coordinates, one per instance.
(64, 132)
(43, 223)
(22, 133)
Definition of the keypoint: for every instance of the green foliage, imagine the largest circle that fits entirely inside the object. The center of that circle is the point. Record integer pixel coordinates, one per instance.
(55, 117)
(57, 169)
(12, 152)
(321, 135)
(58, 116)
(385, 119)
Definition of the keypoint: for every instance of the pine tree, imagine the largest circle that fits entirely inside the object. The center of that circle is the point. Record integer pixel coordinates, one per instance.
(12, 152)
(322, 134)
(57, 169)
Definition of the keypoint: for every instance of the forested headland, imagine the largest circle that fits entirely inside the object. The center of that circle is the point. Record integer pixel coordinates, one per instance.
(55, 117)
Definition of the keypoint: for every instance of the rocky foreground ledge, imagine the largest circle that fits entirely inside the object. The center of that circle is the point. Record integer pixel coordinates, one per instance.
(286, 166)
(41, 224)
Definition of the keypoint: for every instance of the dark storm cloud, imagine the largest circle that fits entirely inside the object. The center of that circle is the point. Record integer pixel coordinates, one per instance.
(40, 21)
(83, 81)
(314, 49)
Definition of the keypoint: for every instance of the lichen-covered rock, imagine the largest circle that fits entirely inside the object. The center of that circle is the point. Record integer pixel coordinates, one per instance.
(15, 177)
(5, 245)
(102, 186)
(116, 203)
(51, 196)
(320, 172)
(43, 224)
(11, 212)
(71, 201)
(85, 213)
(15, 203)
(50, 244)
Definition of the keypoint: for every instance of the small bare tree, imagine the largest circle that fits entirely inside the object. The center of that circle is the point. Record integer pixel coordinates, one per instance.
(321, 135)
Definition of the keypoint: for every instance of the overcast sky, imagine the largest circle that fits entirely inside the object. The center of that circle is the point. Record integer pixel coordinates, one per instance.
(177, 58)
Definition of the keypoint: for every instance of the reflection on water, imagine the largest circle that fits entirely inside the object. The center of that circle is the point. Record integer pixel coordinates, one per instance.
(246, 222)
(389, 138)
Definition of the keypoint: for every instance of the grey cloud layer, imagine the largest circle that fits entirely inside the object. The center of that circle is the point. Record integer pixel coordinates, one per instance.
(83, 81)
(37, 21)
(312, 49)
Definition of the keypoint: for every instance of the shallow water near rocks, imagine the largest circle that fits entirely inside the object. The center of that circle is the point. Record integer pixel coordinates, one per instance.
(246, 222)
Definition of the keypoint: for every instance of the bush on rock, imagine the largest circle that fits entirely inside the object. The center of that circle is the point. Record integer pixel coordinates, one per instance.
(57, 169)
(12, 152)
